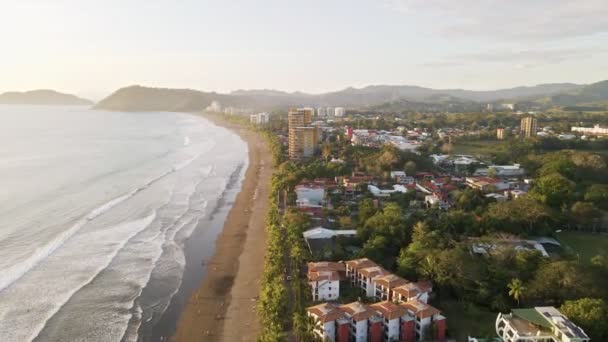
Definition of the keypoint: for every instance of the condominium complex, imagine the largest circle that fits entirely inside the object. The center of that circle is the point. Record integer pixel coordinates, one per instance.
(528, 127)
(303, 138)
(379, 322)
(540, 324)
(402, 313)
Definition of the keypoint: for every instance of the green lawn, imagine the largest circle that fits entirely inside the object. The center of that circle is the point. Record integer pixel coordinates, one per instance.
(477, 147)
(585, 245)
(467, 320)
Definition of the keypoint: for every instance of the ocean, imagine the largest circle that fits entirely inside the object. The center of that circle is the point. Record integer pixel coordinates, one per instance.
(96, 208)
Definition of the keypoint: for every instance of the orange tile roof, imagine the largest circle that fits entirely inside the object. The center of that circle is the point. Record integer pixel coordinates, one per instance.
(373, 271)
(358, 311)
(420, 309)
(391, 280)
(323, 276)
(407, 290)
(326, 312)
(360, 263)
(326, 266)
(389, 310)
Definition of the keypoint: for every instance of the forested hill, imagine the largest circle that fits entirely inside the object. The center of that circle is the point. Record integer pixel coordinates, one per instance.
(42, 97)
(138, 98)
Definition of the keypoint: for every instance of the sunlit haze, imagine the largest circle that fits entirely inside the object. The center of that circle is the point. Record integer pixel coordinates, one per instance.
(94, 47)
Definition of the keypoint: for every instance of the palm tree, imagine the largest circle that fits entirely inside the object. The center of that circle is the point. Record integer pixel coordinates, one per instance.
(516, 289)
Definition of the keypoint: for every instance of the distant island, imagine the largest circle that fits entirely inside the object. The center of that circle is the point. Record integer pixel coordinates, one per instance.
(42, 97)
(378, 98)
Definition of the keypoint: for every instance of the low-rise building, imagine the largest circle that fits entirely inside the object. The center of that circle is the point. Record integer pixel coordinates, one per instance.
(540, 324)
(487, 184)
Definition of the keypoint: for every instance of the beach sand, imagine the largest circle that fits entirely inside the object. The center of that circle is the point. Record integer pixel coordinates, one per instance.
(223, 307)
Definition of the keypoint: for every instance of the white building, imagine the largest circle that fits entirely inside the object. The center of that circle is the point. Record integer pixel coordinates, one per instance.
(377, 192)
(540, 324)
(339, 111)
(595, 130)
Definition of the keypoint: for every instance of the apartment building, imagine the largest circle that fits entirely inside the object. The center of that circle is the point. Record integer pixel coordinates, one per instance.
(324, 279)
(303, 138)
(528, 127)
(379, 322)
(539, 324)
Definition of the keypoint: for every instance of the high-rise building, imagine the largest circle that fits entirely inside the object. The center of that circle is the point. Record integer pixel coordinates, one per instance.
(303, 138)
(528, 127)
(500, 133)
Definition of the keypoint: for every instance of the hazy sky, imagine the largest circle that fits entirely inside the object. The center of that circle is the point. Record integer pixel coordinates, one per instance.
(94, 47)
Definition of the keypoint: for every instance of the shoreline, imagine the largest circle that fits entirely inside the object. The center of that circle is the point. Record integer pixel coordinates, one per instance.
(223, 307)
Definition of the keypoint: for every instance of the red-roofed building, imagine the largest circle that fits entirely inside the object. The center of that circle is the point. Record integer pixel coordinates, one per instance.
(382, 321)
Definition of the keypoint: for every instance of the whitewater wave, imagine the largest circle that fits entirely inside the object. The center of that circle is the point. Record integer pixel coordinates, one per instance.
(16, 271)
(34, 329)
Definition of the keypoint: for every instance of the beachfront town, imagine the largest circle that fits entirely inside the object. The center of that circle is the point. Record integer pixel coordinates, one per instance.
(413, 227)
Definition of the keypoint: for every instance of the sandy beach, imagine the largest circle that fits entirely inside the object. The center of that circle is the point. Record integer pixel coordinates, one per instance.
(223, 307)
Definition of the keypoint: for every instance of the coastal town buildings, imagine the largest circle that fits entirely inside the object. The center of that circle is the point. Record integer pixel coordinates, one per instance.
(259, 118)
(539, 324)
(528, 127)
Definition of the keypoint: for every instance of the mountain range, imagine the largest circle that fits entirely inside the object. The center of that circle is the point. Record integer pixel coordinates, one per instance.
(376, 97)
(42, 97)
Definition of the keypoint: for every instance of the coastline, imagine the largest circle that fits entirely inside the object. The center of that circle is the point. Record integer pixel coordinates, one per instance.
(223, 308)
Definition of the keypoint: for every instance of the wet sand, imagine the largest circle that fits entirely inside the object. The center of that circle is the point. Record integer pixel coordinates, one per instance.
(223, 307)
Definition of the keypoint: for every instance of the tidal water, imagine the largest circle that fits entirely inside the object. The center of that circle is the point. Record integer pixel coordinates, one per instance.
(95, 210)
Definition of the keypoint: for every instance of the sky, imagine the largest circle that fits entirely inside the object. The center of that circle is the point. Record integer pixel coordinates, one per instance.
(93, 47)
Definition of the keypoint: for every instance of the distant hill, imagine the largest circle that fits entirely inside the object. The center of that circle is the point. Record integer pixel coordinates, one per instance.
(138, 98)
(383, 97)
(42, 97)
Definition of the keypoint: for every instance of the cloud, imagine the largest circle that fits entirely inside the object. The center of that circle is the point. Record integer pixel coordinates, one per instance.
(520, 58)
(524, 20)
